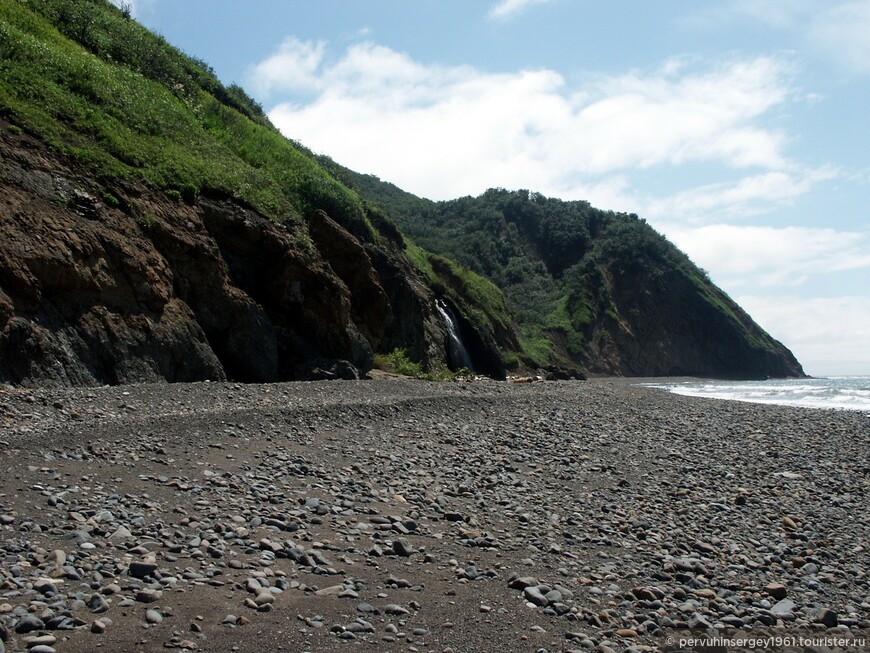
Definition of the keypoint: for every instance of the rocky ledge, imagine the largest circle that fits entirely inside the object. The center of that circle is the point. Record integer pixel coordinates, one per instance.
(407, 516)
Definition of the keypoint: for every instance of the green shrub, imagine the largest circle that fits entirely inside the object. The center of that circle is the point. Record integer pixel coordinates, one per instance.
(397, 362)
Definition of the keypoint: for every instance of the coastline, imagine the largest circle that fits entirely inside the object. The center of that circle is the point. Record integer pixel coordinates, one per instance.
(851, 393)
(379, 515)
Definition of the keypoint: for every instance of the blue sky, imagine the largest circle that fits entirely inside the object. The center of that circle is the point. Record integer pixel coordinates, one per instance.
(738, 128)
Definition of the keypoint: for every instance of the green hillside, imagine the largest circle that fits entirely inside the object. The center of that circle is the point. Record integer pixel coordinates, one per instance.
(103, 89)
(588, 287)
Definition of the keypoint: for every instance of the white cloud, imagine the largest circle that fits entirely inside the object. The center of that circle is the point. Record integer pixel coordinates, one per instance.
(375, 109)
(293, 67)
(829, 335)
(506, 9)
(755, 256)
(781, 14)
(736, 200)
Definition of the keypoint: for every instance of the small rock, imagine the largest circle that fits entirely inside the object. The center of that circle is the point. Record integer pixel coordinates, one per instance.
(41, 640)
(784, 609)
(644, 594)
(776, 590)
(402, 547)
(523, 582)
(148, 596)
(264, 598)
(59, 556)
(827, 617)
(367, 608)
(533, 595)
(97, 603)
(45, 586)
(28, 624)
(330, 591)
(122, 533)
(141, 570)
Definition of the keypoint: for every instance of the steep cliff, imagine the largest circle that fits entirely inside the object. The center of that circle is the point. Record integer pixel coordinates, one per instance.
(147, 287)
(155, 226)
(655, 318)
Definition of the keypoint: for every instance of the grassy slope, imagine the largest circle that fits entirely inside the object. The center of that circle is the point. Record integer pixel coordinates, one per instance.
(124, 103)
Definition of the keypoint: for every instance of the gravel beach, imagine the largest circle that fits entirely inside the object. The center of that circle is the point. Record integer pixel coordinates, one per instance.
(396, 515)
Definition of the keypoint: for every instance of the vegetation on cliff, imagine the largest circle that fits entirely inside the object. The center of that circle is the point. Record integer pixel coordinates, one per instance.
(125, 103)
(589, 287)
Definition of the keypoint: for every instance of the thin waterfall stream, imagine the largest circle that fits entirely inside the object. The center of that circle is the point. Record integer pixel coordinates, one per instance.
(457, 353)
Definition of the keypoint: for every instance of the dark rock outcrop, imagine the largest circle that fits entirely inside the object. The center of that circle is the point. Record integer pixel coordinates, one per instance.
(84, 297)
(370, 306)
(144, 287)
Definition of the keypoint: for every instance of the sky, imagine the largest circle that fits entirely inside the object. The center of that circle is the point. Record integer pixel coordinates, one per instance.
(740, 129)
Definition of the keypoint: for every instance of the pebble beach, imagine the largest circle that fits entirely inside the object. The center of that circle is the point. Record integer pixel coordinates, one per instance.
(398, 515)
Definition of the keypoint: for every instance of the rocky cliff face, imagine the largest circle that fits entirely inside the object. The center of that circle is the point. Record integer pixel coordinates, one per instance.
(662, 323)
(120, 283)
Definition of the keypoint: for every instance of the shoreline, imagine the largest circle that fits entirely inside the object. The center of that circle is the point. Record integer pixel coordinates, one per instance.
(384, 515)
(848, 393)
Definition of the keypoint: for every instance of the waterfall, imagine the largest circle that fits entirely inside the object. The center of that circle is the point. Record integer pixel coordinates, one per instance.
(457, 354)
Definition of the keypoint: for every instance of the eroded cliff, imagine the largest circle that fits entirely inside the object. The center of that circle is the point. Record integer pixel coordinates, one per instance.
(119, 283)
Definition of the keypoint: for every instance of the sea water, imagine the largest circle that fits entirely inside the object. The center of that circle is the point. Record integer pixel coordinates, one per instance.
(841, 392)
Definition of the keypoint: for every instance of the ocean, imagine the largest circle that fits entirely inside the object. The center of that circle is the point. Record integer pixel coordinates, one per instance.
(840, 392)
